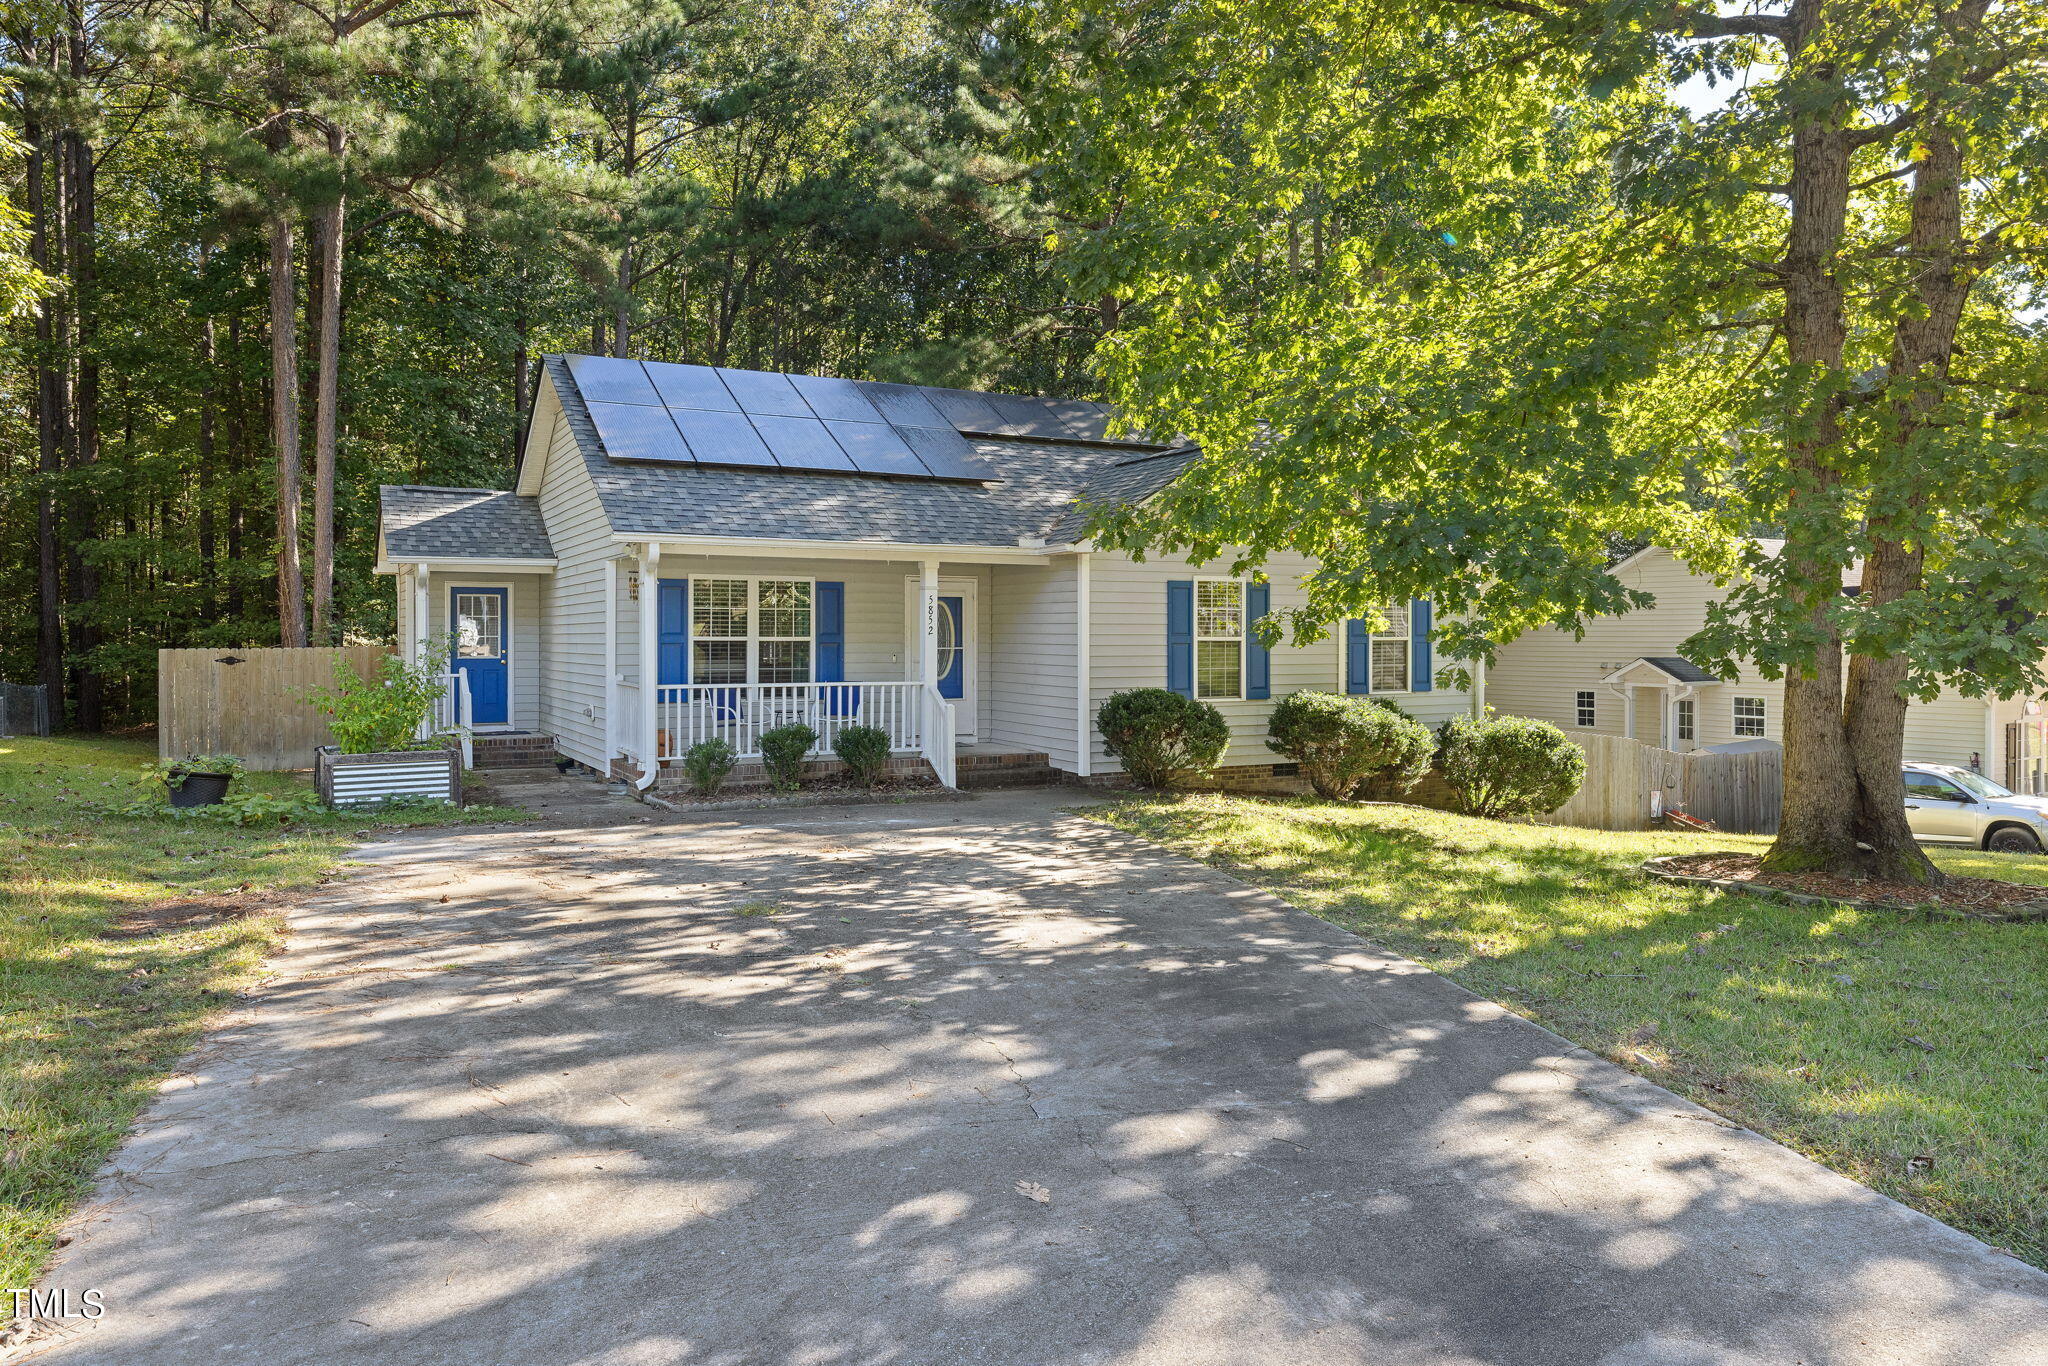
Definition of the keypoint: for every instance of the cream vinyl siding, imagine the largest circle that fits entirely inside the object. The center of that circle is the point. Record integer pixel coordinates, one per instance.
(1029, 690)
(1127, 632)
(1538, 675)
(572, 683)
(525, 645)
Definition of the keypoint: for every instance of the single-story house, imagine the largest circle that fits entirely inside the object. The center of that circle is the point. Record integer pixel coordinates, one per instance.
(692, 552)
(1628, 677)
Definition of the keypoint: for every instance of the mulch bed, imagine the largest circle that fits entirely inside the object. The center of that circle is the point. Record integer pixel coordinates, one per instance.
(1975, 897)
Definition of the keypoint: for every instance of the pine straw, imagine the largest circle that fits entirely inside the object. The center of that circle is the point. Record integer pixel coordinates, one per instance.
(1977, 897)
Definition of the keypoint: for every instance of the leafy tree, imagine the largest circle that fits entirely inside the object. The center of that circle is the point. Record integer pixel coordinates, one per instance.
(1455, 295)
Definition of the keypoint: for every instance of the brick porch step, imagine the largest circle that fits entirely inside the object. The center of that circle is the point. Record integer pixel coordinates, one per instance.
(521, 749)
(974, 769)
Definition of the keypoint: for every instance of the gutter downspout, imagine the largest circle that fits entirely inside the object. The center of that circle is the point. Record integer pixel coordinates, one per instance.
(650, 665)
(611, 666)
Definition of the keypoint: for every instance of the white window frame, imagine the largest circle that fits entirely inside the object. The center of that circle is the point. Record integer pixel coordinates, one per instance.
(1586, 708)
(1737, 720)
(1685, 724)
(1401, 614)
(753, 638)
(1195, 663)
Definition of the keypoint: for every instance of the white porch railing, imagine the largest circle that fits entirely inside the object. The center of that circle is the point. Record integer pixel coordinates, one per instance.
(451, 713)
(740, 713)
(915, 718)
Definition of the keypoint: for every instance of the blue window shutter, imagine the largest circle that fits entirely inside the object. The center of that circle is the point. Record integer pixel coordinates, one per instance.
(831, 624)
(673, 631)
(1180, 636)
(1357, 657)
(1422, 657)
(1258, 660)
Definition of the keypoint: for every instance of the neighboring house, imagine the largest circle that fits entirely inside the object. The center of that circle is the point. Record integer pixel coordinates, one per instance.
(692, 552)
(1627, 677)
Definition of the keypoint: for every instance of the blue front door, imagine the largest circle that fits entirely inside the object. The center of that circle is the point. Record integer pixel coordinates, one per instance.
(483, 651)
(952, 647)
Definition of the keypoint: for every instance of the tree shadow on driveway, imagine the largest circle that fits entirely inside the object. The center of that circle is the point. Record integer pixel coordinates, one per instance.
(980, 1084)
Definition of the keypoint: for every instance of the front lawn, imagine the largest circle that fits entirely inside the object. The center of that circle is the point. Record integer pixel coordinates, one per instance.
(1907, 1053)
(105, 980)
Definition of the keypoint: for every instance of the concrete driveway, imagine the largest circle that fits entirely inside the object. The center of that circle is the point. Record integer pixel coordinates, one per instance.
(946, 1084)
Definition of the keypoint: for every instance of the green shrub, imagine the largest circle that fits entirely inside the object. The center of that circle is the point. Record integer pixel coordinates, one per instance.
(1160, 736)
(706, 765)
(782, 753)
(382, 712)
(1510, 766)
(865, 752)
(1346, 745)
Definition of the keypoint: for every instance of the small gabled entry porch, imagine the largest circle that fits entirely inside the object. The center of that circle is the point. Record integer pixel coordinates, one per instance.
(738, 643)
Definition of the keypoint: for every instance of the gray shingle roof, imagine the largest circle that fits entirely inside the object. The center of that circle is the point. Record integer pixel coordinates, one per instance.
(1034, 496)
(483, 524)
(1124, 484)
(1680, 668)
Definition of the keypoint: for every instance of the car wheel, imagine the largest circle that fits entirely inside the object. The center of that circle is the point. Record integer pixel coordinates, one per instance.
(2012, 839)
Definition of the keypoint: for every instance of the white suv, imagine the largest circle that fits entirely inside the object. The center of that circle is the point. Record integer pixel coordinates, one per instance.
(1949, 805)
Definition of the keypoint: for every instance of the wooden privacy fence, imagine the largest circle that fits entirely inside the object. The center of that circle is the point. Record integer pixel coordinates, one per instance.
(246, 702)
(1627, 782)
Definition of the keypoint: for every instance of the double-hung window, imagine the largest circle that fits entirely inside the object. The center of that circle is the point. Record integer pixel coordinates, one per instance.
(1219, 638)
(1390, 651)
(1749, 716)
(1586, 706)
(750, 631)
(1685, 718)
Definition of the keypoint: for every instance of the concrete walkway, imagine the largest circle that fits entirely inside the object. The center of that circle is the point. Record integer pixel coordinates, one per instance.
(951, 1085)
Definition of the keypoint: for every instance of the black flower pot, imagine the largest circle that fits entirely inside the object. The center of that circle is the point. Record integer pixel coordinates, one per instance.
(199, 789)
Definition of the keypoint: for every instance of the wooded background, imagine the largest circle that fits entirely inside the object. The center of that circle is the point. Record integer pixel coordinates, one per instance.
(303, 250)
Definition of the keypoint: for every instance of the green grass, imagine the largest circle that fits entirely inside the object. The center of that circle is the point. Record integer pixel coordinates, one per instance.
(90, 1025)
(1867, 1040)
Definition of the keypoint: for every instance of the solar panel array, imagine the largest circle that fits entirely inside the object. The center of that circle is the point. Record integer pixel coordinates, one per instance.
(699, 414)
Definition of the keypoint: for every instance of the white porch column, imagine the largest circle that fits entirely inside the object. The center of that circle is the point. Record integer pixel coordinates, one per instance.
(611, 665)
(1084, 735)
(650, 663)
(928, 622)
(422, 605)
(1628, 712)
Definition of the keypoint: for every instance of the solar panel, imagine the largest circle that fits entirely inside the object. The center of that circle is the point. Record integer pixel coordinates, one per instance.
(760, 392)
(691, 386)
(902, 405)
(1025, 416)
(838, 399)
(967, 412)
(721, 438)
(606, 379)
(876, 448)
(633, 432)
(946, 453)
(802, 443)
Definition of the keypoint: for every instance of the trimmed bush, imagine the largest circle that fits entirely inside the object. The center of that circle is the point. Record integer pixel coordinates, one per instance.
(1348, 745)
(782, 754)
(1160, 736)
(1510, 766)
(865, 752)
(706, 765)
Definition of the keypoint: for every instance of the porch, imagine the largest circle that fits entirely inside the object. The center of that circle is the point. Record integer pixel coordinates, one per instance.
(948, 658)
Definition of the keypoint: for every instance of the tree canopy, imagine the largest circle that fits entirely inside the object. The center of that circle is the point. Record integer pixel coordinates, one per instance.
(1456, 293)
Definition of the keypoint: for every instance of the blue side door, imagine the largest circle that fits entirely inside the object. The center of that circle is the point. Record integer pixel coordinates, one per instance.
(952, 647)
(483, 651)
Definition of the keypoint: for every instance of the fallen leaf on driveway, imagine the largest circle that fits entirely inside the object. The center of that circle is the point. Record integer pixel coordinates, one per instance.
(1031, 1190)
